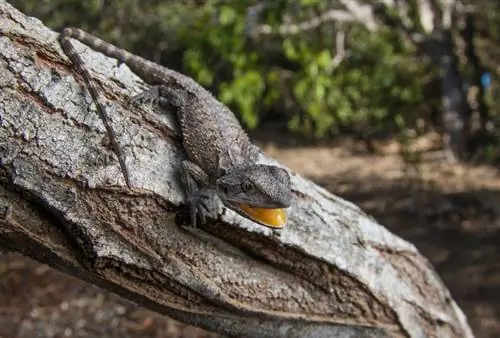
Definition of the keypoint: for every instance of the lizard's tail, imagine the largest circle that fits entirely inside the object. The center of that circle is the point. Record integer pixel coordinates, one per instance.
(92, 87)
(137, 64)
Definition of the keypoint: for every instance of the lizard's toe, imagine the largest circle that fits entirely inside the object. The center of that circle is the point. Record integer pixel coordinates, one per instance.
(198, 210)
(204, 206)
(193, 213)
(140, 99)
(201, 213)
(149, 96)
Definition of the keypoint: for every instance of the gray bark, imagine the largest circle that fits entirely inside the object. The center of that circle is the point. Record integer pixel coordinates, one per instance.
(332, 272)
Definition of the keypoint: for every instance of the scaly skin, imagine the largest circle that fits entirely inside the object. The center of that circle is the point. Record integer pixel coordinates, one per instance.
(219, 151)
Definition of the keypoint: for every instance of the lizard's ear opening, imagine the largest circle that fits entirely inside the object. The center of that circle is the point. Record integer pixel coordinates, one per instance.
(273, 218)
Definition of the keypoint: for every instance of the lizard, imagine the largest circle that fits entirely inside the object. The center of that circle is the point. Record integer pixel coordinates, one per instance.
(219, 152)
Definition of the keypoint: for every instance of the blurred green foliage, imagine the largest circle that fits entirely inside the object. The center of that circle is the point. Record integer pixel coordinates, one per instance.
(380, 86)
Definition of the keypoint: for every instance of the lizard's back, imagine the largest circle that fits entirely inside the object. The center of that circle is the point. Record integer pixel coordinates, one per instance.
(209, 129)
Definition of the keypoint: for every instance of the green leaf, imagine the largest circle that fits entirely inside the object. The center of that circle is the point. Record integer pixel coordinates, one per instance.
(324, 59)
(290, 50)
(227, 15)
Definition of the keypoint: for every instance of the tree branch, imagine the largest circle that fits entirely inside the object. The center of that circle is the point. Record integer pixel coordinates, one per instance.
(353, 13)
(333, 271)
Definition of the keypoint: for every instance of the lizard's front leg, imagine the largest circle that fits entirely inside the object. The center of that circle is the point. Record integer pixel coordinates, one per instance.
(192, 177)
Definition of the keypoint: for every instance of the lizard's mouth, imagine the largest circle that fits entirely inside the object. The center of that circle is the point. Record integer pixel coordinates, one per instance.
(273, 218)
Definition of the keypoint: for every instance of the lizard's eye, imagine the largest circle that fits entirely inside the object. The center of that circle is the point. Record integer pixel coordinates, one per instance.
(247, 186)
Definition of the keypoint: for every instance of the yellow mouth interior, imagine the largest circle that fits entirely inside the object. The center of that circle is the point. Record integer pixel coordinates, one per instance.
(273, 218)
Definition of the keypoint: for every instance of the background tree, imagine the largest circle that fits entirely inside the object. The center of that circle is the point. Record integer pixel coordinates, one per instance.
(320, 68)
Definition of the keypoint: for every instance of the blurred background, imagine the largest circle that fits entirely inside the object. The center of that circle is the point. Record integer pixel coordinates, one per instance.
(393, 105)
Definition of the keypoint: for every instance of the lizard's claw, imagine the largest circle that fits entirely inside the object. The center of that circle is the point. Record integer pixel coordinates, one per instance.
(149, 96)
(197, 209)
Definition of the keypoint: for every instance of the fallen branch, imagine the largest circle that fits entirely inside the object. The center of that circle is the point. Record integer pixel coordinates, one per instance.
(332, 272)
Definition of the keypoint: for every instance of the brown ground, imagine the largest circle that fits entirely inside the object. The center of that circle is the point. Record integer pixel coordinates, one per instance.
(450, 212)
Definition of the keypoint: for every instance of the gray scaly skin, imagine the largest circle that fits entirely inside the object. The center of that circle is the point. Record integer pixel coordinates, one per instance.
(219, 151)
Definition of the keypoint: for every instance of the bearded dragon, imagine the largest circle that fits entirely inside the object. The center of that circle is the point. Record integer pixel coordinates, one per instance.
(220, 154)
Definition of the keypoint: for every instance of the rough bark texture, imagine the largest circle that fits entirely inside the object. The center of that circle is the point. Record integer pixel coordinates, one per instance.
(332, 272)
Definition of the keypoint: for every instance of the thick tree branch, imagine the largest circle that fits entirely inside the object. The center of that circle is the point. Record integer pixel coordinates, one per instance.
(332, 272)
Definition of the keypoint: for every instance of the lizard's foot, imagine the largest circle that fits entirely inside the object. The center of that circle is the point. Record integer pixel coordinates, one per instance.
(192, 176)
(198, 208)
(149, 96)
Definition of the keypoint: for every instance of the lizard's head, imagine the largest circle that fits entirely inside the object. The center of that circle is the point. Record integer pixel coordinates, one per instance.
(258, 192)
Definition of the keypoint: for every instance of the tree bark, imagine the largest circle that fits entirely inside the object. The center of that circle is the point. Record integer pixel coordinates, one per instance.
(454, 103)
(332, 272)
